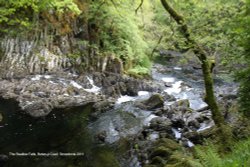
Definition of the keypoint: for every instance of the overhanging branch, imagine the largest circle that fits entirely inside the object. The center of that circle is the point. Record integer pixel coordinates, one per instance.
(136, 10)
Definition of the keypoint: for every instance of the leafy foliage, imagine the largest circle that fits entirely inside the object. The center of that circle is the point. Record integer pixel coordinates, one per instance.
(244, 75)
(240, 156)
(118, 32)
(210, 23)
(22, 14)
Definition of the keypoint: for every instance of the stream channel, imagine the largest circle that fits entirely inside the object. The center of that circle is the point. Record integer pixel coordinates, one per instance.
(67, 137)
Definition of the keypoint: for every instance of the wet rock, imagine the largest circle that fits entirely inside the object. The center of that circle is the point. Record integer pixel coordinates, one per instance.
(194, 136)
(166, 135)
(168, 84)
(84, 81)
(193, 124)
(104, 105)
(101, 136)
(168, 153)
(180, 110)
(228, 96)
(38, 108)
(203, 108)
(181, 104)
(117, 124)
(154, 102)
(178, 122)
(115, 85)
(168, 97)
(144, 134)
(158, 112)
(161, 124)
(198, 137)
(39, 94)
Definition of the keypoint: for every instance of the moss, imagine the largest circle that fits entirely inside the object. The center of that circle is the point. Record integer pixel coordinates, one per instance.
(1, 54)
(159, 161)
(161, 151)
(106, 159)
(184, 103)
(138, 71)
(168, 143)
(150, 166)
(155, 101)
(123, 145)
(241, 128)
(178, 159)
(184, 164)
(168, 153)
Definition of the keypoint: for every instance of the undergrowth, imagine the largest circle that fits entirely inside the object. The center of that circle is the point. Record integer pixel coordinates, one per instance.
(239, 157)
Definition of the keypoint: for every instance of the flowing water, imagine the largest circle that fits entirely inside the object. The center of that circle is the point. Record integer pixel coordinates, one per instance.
(66, 137)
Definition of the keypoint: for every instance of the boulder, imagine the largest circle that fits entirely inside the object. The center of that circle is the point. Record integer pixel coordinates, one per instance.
(162, 151)
(168, 97)
(114, 85)
(181, 104)
(154, 102)
(198, 137)
(37, 108)
(103, 105)
(161, 124)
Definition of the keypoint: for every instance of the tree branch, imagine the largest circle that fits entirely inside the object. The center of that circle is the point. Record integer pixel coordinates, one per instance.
(206, 67)
(153, 51)
(136, 10)
(178, 18)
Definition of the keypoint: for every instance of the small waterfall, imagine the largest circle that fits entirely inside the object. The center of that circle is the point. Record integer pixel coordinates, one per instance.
(94, 88)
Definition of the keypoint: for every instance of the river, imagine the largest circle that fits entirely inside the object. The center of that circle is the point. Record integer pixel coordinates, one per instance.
(67, 137)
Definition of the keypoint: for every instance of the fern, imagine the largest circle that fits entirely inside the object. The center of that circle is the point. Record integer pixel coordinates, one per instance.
(209, 156)
(240, 157)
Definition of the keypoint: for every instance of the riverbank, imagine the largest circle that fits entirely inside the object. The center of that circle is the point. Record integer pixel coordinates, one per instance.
(129, 112)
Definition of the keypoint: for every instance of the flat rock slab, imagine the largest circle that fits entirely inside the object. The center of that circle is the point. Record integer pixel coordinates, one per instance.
(39, 94)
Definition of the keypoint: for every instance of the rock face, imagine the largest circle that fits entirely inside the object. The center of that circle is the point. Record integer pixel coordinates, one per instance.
(115, 85)
(20, 57)
(39, 94)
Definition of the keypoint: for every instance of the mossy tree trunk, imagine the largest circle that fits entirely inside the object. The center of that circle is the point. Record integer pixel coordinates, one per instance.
(207, 73)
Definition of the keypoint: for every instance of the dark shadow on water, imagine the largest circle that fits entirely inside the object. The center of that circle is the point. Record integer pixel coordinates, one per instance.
(57, 140)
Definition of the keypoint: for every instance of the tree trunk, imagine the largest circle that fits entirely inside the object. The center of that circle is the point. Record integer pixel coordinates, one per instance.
(225, 134)
(210, 97)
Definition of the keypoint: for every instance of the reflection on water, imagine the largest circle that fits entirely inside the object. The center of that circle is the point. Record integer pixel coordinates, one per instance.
(60, 139)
